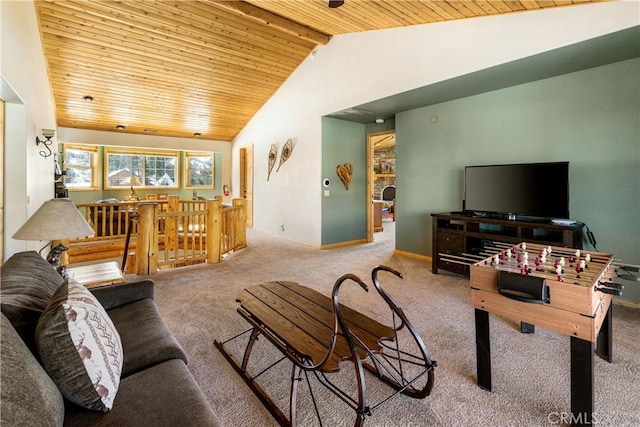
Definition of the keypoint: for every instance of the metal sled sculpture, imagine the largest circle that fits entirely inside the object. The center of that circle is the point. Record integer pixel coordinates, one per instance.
(317, 333)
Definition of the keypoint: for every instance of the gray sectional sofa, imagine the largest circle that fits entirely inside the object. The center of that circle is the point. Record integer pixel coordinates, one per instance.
(147, 366)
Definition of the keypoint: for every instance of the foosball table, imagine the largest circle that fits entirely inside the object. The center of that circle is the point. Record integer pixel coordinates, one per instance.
(566, 290)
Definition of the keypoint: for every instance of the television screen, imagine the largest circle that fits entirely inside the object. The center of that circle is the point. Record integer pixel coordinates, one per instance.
(528, 189)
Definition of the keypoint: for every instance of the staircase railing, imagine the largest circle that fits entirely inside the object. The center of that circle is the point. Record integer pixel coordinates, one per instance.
(165, 234)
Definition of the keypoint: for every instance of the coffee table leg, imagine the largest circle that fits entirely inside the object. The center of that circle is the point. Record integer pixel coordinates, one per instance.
(295, 379)
(247, 351)
(581, 382)
(483, 349)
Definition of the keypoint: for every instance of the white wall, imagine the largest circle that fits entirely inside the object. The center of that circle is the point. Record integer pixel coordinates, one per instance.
(81, 136)
(29, 108)
(357, 68)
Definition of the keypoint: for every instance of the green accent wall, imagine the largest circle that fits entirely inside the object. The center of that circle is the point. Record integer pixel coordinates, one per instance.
(344, 214)
(589, 118)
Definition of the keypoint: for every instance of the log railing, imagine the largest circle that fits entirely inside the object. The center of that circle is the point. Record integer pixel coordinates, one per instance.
(108, 220)
(166, 234)
(202, 232)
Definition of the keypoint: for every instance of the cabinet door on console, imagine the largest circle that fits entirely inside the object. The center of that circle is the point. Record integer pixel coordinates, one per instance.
(450, 243)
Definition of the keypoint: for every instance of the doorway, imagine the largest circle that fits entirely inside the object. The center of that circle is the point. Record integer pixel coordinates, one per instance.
(381, 175)
(246, 180)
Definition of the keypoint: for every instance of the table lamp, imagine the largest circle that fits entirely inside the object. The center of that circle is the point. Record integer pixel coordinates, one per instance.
(56, 219)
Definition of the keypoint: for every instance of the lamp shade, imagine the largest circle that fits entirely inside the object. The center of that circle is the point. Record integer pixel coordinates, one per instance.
(56, 219)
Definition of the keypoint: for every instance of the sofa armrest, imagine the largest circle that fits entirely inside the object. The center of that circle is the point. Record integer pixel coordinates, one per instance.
(112, 296)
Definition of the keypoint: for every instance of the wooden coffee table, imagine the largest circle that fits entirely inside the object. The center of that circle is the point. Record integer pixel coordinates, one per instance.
(316, 334)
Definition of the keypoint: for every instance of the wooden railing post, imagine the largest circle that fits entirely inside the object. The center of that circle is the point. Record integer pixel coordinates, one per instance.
(170, 226)
(173, 204)
(147, 245)
(241, 225)
(214, 231)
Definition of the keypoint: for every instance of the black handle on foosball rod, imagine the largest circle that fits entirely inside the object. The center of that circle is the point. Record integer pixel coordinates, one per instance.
(611, 285)
(616, 292)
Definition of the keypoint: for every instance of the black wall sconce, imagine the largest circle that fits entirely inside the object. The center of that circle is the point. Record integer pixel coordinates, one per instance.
(48, 134)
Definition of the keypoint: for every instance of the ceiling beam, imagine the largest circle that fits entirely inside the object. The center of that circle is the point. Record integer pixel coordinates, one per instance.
(265, 17)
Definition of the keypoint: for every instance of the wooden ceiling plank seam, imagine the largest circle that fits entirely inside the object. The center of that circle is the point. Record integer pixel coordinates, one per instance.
(111, 106)
(182, 36)
(530, 4)
(276, 21)
(514, 5)
(381, 13)
(85, 55)
(472, 6)
(331, 23)
(158, 120)
(423, 14)
(108, 98)
(368, 16)
(178, 59)
(80, 89)
(226, 83)
(161, 122)
(157, 49)
(192, 109)
(401, 15)
(230, 28)
(211, 78)
(462, 8)
(239, 27)
(432, 6)
(359, 16)
(48, 66)
(501, 6)
(487, 6)
(153, 102)
(196, 23)
(93, 88)
(443, 9)
(157, 125)
(204, 137)
(546, 3)
(161, 125)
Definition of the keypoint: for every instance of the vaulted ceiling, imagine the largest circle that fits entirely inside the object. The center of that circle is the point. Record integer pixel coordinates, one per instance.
(202, 69)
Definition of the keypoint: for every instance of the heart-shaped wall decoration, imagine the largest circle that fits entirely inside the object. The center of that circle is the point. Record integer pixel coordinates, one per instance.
(344, 173)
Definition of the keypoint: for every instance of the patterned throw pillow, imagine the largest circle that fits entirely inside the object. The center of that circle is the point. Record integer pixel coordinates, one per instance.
(80, 348)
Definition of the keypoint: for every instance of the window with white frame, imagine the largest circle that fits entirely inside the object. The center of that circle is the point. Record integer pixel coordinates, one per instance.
(81, 166)
(198, 170)
(140, 168)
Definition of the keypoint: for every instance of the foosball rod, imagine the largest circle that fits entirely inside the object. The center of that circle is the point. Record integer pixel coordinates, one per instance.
(532, 247)
(568, 279)
(590, 275)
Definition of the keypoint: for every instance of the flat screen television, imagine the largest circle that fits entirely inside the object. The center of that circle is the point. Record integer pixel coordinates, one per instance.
(527, 189)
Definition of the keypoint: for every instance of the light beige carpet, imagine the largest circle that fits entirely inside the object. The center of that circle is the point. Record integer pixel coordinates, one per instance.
(530, 372)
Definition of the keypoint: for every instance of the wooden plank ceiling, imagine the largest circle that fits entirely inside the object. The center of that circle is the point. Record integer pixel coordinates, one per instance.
(202, 69)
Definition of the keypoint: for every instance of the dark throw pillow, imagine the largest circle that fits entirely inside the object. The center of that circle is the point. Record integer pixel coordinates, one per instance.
(27, 284)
